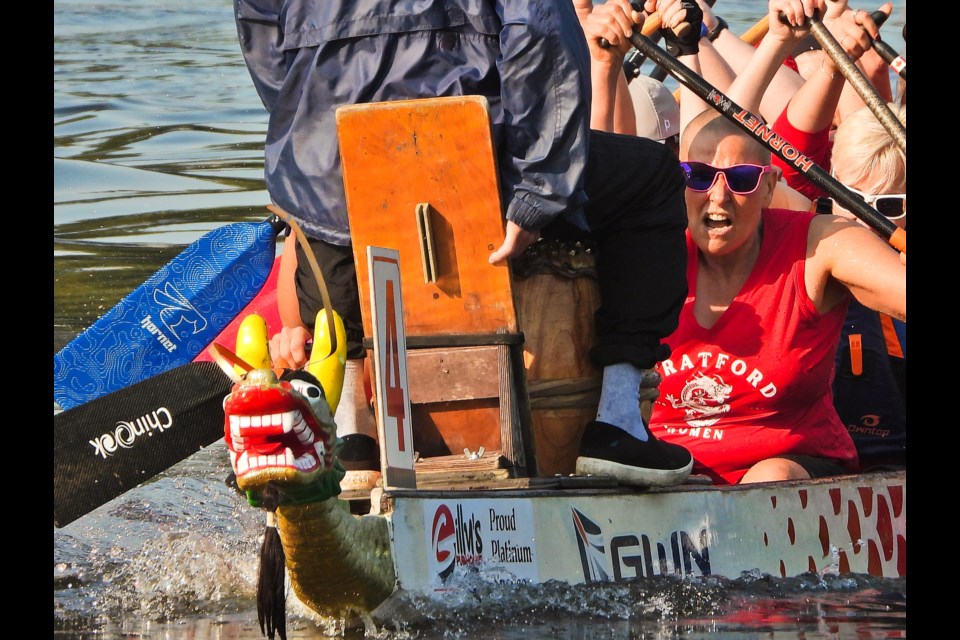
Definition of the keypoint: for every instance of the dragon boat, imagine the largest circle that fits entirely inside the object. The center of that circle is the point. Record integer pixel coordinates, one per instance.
(481, 385)
(349, 553)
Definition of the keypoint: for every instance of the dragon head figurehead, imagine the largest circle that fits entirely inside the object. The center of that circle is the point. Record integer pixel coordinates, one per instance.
(279, 430)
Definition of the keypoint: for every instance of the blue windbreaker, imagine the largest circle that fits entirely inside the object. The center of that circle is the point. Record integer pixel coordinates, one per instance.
(527, 57)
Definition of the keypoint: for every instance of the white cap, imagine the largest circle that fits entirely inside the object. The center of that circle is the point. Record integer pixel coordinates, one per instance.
(658, 114)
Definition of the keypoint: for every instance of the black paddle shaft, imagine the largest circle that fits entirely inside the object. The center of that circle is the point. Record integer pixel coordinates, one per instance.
(111, 444)
(787, 152)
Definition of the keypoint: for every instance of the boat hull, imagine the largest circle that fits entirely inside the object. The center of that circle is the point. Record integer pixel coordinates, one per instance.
(847, 524)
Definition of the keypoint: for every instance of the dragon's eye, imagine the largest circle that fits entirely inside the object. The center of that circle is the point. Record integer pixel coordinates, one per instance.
(307, 389)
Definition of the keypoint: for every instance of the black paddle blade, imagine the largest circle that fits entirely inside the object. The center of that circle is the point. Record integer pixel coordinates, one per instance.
(107, 446)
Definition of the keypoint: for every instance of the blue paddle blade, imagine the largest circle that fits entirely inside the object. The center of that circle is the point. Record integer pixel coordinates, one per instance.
(169, 319)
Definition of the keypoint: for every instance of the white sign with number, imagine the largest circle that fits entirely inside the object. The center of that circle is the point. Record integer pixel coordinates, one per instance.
(390, 367)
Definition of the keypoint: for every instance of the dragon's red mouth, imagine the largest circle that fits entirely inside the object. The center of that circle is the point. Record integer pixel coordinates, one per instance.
(278, 430)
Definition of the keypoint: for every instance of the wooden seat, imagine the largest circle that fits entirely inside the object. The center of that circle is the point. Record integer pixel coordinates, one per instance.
(420, 177)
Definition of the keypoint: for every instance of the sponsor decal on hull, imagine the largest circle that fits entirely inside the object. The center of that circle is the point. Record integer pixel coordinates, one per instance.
(625, 556)
(495, 535)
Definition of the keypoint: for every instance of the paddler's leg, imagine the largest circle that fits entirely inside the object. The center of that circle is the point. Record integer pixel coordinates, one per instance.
(356, 424)
(637, 215)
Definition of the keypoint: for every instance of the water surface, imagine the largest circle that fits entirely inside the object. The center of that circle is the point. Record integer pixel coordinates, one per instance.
(158, 138)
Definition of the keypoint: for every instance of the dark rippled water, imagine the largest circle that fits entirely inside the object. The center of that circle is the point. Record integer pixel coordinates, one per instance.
(158, 138)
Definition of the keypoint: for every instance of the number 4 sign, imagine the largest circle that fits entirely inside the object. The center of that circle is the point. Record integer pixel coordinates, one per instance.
(390, 367)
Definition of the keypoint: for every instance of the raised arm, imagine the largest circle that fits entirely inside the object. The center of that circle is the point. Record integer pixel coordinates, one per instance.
(788, 24)
(814, 105)
(845, 256)
(736, 54)
(877, 72)
(613, 21)
(686, 49)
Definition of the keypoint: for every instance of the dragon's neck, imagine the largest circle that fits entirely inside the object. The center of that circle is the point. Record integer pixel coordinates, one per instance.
(338, 563)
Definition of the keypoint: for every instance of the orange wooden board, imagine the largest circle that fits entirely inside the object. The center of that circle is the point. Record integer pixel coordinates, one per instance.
(396, 155)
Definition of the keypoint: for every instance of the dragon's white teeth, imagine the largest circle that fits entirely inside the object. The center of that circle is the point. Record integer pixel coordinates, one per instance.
(286, 421)
(306, 462)
(243, 463)
(305, 437)
(298, 424)
(288, 460)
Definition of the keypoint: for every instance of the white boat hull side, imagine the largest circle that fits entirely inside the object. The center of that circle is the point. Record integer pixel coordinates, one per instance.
(851, 524)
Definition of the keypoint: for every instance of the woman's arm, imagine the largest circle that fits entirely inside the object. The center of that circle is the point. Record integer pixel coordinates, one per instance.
(845, 256)
(613, 22)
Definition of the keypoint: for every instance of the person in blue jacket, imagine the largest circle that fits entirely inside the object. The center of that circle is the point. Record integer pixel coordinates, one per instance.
(531, 61)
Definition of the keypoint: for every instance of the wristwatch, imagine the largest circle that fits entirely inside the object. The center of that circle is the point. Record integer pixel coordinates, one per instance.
(721, 25)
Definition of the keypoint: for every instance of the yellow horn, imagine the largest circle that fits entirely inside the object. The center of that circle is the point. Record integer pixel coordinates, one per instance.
(331, 369)
(253, 343)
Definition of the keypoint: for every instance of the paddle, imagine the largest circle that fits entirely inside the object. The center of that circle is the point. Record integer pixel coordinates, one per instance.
(109, 445)
(860, 82)
(115, 442)
(751, 36)
(889, 55)
(754, 125)
(169, 319)
(634, 59)
(651, 27)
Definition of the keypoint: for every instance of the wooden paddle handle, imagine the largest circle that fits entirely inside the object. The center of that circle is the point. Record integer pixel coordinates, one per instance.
(651, 25)
(754, 34)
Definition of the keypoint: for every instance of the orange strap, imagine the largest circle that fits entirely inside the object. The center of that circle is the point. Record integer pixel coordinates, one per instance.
(890, 335)
(856, 354)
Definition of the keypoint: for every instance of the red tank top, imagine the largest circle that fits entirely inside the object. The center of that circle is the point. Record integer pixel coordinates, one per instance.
(758, 383)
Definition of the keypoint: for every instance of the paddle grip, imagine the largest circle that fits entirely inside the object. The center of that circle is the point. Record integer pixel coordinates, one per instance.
(651, 24)
(889, 55)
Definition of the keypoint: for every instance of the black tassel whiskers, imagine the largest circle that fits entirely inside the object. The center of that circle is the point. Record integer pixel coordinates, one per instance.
(271, 580)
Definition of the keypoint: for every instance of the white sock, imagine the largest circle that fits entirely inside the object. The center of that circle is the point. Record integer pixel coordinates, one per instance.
(353, 414)
(620, 399)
